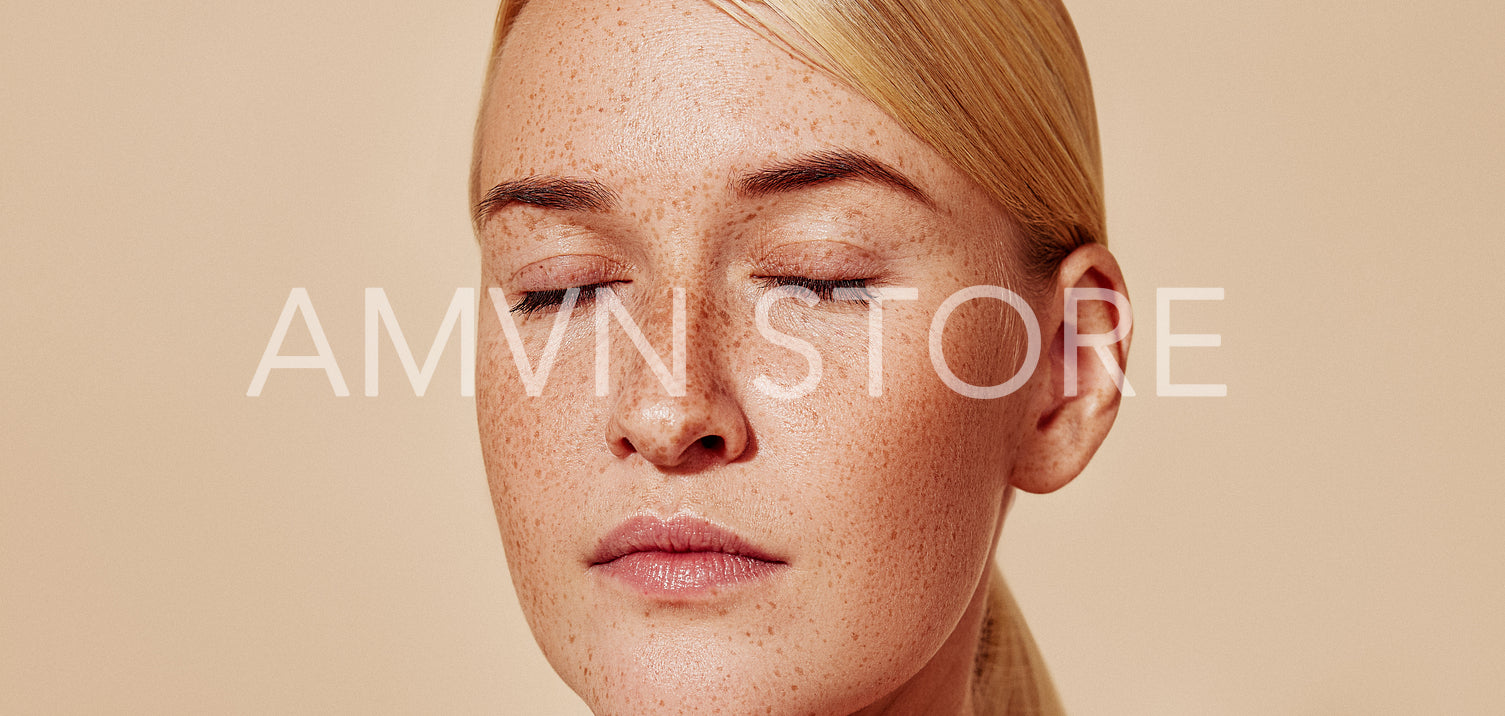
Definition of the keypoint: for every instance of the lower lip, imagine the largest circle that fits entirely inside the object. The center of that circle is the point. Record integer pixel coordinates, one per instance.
(686, 574)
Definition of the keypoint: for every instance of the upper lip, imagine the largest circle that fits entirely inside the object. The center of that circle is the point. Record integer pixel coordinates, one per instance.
(681, 533)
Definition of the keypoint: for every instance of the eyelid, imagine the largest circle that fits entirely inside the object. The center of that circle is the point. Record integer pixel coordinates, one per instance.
(819, 259)
(558, 273)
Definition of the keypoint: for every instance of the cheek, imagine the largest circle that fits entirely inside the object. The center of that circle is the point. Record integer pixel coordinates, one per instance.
(944, 457)
(902, 492)
(913, 484)
(921, 467)
(533, 446)
(985, 342)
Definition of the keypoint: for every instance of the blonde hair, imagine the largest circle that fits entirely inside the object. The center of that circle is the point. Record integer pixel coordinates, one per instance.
(998, 87)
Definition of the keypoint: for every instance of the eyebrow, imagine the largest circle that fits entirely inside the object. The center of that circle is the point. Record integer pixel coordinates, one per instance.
(548, 192)
(823, 166)
(801, 172)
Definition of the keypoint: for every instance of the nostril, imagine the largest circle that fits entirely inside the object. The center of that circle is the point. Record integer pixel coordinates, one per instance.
(712, 443)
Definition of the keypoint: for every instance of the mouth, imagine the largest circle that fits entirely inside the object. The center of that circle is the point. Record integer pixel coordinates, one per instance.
(682, 557)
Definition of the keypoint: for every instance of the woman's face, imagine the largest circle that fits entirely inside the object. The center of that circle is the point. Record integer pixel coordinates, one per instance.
(848, 533)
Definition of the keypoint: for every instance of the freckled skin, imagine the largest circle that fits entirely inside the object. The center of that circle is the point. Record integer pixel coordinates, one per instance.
(886, 509)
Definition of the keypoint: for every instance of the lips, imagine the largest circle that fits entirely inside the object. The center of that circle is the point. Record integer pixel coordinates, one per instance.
(680, 557)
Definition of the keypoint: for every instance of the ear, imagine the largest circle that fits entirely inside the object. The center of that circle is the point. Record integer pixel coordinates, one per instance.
(1069, 415)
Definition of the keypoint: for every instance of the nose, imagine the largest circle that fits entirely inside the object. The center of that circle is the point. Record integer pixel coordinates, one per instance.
(703, 427)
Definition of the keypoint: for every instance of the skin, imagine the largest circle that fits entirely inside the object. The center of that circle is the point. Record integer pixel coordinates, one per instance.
(886, 509)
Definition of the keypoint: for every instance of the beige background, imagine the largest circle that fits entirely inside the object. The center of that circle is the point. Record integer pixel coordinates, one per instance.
(1325, 540)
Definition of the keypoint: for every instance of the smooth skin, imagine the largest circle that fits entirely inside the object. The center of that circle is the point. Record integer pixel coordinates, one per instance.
(886, 509)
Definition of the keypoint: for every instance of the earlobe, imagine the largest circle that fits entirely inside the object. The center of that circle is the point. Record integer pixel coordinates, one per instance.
(1071, 408)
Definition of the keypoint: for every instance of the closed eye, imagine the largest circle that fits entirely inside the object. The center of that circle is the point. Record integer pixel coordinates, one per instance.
(824, 288)
(538, 301)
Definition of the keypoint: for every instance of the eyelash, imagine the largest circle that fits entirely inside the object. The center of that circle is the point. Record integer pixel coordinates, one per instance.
(825, 289)
(534, 301)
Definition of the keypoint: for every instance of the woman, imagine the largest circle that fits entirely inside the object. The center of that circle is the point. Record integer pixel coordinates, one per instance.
(780, 322)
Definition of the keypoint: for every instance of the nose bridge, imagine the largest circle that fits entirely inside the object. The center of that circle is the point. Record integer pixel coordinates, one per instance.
(704, 421)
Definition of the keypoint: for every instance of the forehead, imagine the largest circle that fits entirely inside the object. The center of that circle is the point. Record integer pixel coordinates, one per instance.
(665, 96)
